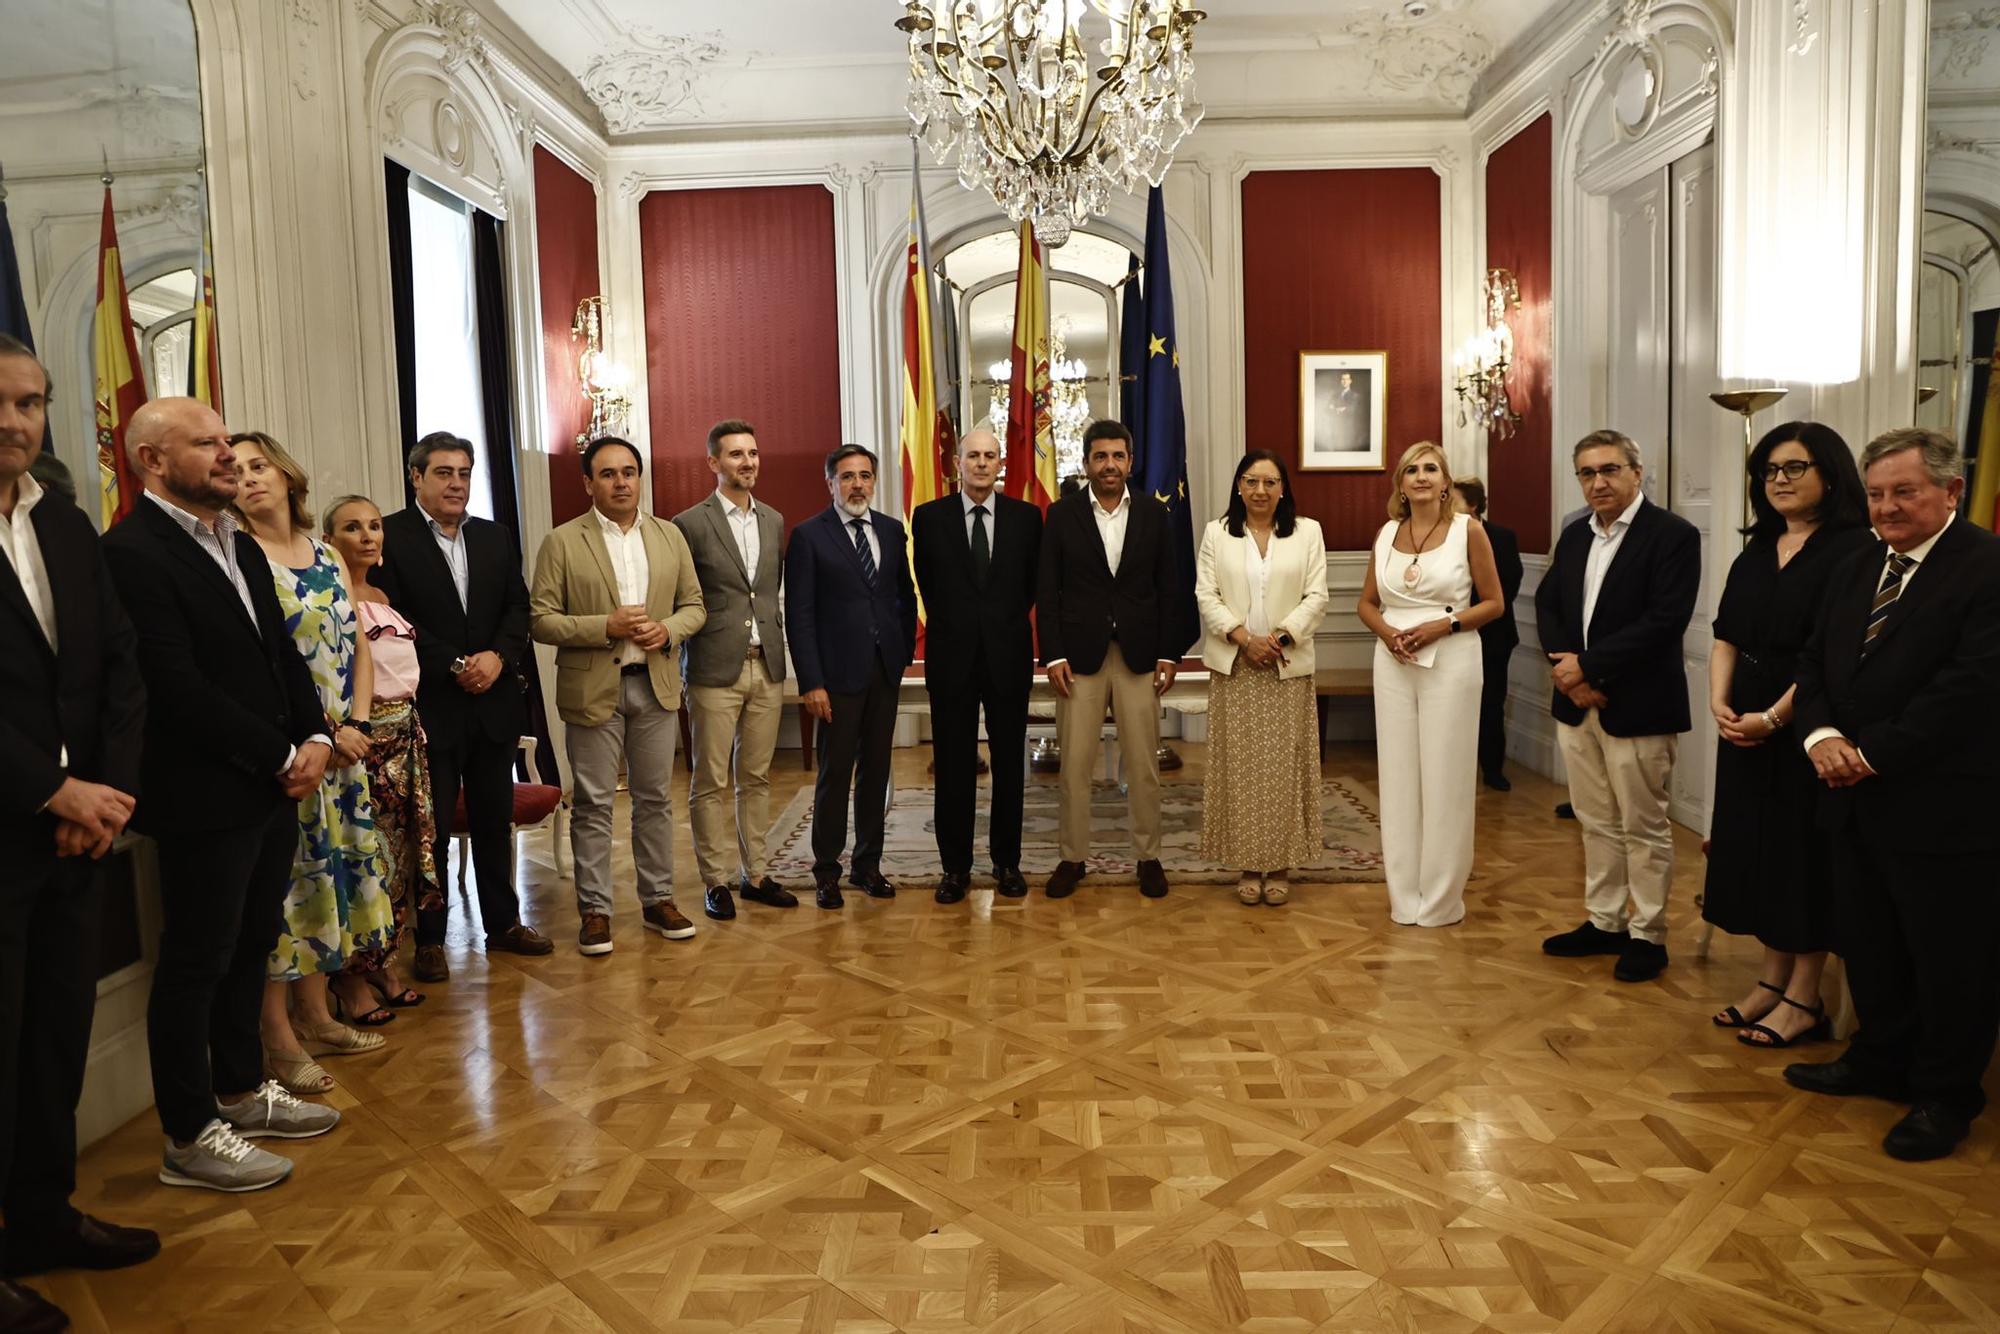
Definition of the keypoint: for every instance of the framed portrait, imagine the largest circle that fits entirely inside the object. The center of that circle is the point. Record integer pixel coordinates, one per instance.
(1343, 411)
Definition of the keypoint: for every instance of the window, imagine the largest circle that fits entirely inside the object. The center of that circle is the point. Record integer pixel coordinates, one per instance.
(446, 306)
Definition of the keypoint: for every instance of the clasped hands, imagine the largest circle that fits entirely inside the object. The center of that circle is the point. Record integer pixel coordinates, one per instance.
(1838, 762)
(1741, 729)
(480, 672)
(1405, 645)
(1261, 650)
(634, 624)
(89, 817)
(1568, 675)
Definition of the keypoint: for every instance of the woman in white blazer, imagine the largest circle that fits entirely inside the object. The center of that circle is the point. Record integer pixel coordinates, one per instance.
(1260, 581)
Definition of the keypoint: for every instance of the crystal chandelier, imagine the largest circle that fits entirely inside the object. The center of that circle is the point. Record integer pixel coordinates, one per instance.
(1069, 402)
(1480, 365)
(1007, 86)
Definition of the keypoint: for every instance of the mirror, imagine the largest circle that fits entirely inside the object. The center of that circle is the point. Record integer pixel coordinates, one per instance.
(90, 88)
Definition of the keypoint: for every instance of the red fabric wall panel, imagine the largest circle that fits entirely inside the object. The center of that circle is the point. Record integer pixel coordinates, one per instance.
(566, 255)
(741, 322)
(1519, 236)
(1341, 261)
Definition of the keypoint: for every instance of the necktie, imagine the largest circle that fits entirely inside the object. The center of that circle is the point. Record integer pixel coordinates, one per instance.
(982, 553)
(1885, 598)
(861, 548)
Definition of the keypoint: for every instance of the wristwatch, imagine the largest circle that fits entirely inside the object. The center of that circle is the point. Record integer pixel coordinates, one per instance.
(458, 664)
(1455, 626)
(362, 726)
(1284, 639)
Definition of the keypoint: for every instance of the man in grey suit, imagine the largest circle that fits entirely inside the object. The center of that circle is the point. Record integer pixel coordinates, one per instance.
(735, 672)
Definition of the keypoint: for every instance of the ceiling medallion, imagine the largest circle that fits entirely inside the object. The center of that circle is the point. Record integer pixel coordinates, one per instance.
(1008, 87)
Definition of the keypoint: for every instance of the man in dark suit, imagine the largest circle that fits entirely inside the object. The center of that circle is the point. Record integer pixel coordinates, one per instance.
(1612, 607)
(853, 617)
(457, 579)
(1497, 638)
(72, 715)
(1101, 603)
(976, 555)
(235, 736)
(1896, 704)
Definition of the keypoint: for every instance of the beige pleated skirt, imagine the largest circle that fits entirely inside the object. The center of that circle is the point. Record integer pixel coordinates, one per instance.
(1261, 794)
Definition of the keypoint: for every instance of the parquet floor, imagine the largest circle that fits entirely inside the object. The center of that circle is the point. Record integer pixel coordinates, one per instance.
(1105, 1114)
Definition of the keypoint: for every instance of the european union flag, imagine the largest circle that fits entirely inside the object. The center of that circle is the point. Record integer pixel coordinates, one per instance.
(14, 300)
(1161, 433)
(1132, 354)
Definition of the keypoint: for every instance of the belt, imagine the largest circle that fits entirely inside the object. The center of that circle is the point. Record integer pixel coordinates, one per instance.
(634, 669)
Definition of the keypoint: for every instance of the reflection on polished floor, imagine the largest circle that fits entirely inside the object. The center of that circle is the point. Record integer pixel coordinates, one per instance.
(1104, 1114)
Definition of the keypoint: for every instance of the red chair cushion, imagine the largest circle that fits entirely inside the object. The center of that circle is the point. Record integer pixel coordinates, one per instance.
(532, 804)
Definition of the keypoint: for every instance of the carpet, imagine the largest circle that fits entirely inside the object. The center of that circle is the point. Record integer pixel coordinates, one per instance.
(1352, 851)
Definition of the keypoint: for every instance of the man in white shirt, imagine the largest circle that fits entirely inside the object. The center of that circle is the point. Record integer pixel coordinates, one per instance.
(615, 591)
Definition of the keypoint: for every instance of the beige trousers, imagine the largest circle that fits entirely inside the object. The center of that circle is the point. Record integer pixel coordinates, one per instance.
(733, 729)
(1079, 722)
(1618, 785)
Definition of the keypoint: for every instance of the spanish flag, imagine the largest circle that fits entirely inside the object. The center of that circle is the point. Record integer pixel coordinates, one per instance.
(205, 360)
(1031, 441)
(120, 389)
(925, 431)
(1982, 508)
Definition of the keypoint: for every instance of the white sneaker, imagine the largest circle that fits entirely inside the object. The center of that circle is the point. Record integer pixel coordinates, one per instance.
(221, 1159)
(272, 1112)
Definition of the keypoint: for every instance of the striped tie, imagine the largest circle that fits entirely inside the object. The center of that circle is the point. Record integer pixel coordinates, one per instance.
(861, 548)
(1885, 598)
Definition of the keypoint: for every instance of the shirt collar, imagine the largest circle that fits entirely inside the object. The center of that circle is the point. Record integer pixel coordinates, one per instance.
(966, 502)
(226, 526)
(1097, 508)
(735, 511)
(610, 525)
(847, 520)
(26, 492)
(437, 529)
(1624, 520)
(1923, 548)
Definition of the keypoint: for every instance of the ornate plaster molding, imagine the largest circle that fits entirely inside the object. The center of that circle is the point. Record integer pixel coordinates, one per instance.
(1441, 57)
(1944, 141)
(1632, 24)
(655, 82)
(1960, 42)
(305, 27)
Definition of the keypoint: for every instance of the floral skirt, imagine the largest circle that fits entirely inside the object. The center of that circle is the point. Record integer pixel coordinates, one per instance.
(1261, 792)
(337, 913)
(399, 779)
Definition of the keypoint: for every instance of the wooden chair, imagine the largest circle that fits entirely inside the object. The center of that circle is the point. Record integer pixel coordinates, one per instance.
(535, 804)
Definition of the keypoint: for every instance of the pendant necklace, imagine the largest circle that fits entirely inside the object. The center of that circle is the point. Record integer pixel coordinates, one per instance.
(1411, 574)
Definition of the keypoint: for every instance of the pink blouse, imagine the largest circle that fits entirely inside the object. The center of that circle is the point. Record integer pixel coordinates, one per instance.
(393, 642)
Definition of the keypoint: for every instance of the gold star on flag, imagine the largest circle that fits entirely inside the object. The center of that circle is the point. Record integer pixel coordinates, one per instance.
(1159, 346)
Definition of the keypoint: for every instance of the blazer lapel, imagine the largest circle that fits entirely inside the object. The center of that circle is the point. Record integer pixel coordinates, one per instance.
(593, 541)
(189, 552)
(432, 557)
(770, 543)
(1093, 540)
(662, 583)
(1921, 584)
(1628, 557)
(16, 597)
(717, 511)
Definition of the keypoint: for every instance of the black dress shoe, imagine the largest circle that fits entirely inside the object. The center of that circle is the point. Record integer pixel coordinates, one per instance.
(827, 895)
(719, 903)
(1498, 781)
(1064, 880)
(1586, 940)
(872, 884)
(1152, 880)
(952, 886)
(1931, 1130)
(25, 1311)
(769, 893)
(1640, 961)
(1843, 1078)
(91, 1244)
(1565, 811)
(1011, 884)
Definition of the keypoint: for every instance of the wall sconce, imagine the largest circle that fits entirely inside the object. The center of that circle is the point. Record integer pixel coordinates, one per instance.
(604, 381)
(1479, 367)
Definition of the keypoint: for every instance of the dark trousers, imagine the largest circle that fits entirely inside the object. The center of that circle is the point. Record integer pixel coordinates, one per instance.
(48, 992)
(465, 755)
(222, 895)
(854, 751)
(1493, 706)
(1921, 933)
(955, 752)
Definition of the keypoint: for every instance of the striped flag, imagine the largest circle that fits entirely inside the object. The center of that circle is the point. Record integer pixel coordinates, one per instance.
(1031, 441)
(120, 389)
(1983, 505)
(925, 430)
(204, 360)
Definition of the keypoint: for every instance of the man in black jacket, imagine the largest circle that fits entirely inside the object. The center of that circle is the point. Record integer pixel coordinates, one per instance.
(457, 579)
(1101, 605)
(72, 712)
(1612, 607)
(1898, 705)
(976, 557)
(1498, 638)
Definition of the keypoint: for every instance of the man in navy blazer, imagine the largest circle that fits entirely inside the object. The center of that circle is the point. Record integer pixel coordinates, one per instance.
(853, 620)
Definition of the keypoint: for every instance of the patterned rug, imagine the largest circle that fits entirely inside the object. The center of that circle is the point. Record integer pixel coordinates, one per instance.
(1352, 836)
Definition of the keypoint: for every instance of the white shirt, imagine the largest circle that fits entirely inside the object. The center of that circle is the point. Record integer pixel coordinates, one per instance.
(1111, 527)
(867, 522)
(24, 553)
(1603, 550)
(743, 525)
(453, 548)
(632, 570)
(1257, 566)
(991, 505)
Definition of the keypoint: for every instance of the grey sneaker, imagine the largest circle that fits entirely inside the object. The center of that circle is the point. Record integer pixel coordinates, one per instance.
(221, 1159)
(272, 1113)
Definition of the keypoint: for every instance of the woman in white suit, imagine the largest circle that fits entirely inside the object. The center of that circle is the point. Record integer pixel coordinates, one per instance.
(1261, 583)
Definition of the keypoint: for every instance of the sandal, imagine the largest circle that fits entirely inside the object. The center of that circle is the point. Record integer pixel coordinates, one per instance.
(335, 1039)
(407, 998)
(374, 1017)
(1733, 1017)
(1250, 890)
(1277, 891)
(1821, 1030)
(296, 1072)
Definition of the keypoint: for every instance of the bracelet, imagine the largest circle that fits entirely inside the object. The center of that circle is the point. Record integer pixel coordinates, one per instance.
(1771, 720)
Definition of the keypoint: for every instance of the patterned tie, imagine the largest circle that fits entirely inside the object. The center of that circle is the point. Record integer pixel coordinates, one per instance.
(860, 527)
(1885, 598)
(982, 554)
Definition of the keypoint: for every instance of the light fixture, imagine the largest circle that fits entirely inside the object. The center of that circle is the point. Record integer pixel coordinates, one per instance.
(1069, 400)
(1480, 366)
(1008, 87)
(603, 380)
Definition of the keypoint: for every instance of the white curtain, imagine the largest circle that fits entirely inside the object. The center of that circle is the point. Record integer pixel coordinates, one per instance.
(447, 319)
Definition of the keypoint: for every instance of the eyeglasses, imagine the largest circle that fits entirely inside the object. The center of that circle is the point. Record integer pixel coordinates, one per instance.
(1609, 472)
(1792, 470)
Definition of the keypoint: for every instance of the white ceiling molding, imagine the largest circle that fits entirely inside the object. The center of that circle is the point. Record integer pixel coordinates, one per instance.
(1442, 56)
(653, 81)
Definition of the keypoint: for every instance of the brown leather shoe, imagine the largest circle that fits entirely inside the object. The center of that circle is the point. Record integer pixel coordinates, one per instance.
(431, 965)
(666, 919)
(520, 938)
(1064, 880)
(595, 937)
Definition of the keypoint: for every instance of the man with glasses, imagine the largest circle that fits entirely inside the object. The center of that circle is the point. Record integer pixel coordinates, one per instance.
(1612, 607)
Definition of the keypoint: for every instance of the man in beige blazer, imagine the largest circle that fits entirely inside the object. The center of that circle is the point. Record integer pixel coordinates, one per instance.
(735, 672)
(615, 591)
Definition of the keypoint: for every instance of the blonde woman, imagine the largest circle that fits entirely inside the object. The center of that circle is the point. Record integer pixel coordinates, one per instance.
(1431, 584)
(1260, 581)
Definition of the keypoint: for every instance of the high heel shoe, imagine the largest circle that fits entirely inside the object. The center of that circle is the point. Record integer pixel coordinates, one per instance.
(1733, 1017)
(1773, 1040)
(1250, 890)
(1277, 890)
(335, 1039)
(297, 1073)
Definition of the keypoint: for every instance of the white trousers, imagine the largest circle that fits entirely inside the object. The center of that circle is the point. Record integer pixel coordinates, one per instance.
(1427, 762)
(1618, 785)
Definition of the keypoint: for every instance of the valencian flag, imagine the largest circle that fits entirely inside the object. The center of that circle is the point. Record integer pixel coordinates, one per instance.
(926, 433)
(13, 295)
(1031, 439)
(1162, 437)
(204, 361)
(120, 390)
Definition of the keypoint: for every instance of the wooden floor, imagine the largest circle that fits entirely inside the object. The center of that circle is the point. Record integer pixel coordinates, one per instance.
(1104, 1114)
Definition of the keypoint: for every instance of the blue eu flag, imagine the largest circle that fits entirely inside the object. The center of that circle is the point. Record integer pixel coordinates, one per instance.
(1160, 436)
(13, 298)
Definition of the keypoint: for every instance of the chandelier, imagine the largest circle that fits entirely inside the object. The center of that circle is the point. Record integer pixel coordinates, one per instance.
(1480, 365)
(1008, 87)
(1069, 401)
(602, 380)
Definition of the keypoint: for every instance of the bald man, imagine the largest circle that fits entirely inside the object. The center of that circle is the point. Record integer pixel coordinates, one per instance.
(235, 736)
(976, 554)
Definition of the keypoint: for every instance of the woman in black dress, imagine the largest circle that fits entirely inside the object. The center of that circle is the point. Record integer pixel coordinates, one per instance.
(1766, 865)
